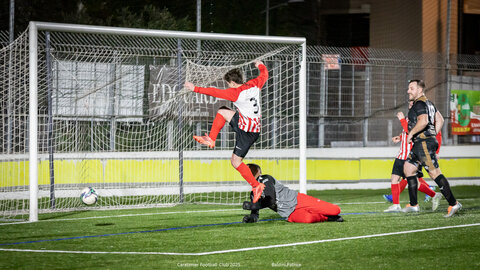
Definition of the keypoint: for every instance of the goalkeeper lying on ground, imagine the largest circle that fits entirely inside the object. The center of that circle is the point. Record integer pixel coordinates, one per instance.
(290, 204)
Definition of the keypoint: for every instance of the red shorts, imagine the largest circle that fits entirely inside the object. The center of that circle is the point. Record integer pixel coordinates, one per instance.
(310, 209)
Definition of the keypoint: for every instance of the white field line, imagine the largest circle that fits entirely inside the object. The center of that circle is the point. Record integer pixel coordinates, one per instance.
(242, 249)
(466, 199)
(126, 215)
(177, 212)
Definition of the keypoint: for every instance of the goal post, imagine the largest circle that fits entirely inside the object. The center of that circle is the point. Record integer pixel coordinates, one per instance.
(105, 126)
(33, 121)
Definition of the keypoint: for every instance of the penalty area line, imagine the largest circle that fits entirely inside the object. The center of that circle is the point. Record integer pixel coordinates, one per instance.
(242, 249)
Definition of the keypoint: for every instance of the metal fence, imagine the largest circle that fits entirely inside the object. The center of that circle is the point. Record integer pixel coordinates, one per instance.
(3, 38)
(354, 93)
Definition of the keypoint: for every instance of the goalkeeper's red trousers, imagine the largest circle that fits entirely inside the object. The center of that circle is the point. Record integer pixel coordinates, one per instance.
(310, 209)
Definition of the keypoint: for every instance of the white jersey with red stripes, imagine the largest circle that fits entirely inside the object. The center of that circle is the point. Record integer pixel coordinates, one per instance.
(405, 147)
(245, 97)
(248, 105)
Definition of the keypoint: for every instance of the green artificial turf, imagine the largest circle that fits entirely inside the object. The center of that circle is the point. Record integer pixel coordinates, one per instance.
(198, 228)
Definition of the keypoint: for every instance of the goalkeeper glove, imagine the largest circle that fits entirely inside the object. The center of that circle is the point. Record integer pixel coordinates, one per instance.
(250, 219)
(247, 205)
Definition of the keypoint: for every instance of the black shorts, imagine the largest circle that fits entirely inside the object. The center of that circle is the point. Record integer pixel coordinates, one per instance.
(398, 169)
(424, 154)
(243, 140)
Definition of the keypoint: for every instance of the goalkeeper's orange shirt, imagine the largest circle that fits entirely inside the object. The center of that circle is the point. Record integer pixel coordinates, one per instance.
(246, 98)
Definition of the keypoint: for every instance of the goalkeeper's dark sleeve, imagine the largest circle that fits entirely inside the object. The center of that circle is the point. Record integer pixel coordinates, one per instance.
(254, 209)
(263, 202)
(267, 200)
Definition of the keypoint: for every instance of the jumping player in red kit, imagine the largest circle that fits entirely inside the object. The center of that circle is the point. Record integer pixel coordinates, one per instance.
(245, 121)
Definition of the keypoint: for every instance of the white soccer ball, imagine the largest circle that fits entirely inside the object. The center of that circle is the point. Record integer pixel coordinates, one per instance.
(89, 196)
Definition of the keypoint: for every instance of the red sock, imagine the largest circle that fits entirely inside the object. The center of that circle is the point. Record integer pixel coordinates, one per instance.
(425, 188)
(396, 193)
(247, 174)
(422, 181)
(403, 184)
(217, 125)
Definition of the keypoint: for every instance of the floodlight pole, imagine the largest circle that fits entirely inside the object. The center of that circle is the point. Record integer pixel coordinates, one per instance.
(447, 70)
(267, 12)
(11, 22)
(199, 22)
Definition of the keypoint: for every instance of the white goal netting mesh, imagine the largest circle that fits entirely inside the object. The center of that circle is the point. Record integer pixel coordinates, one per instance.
(113, 115)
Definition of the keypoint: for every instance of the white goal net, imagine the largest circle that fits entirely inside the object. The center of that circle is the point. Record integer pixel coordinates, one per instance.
(112, 114)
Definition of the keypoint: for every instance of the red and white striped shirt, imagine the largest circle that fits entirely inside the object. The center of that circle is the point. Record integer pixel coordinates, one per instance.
(405, 147)
(245, 97)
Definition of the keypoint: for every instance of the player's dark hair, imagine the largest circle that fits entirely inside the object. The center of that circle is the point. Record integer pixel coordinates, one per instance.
(254, 168)
(420, 83)
(234, 75)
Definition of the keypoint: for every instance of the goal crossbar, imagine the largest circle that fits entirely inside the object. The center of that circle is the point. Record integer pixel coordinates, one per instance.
(78, 28)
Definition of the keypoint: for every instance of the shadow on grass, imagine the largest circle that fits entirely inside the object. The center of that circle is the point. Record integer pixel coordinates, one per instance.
(105, 224)
(62, 215)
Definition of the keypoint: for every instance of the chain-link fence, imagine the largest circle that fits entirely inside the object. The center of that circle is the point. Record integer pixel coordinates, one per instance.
(354, 93)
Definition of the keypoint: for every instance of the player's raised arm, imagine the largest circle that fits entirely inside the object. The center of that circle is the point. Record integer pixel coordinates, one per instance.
(258, 63)
(403, 121)
(263, 77)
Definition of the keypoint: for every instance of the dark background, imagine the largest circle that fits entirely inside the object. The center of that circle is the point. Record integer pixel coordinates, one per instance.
(322, 22)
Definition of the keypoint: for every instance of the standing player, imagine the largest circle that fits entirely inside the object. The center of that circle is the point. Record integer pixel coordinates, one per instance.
(422, 130)
(290, 204)
(245, 121)
(398, 182)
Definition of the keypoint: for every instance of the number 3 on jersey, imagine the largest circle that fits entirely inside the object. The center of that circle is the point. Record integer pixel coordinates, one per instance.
(255, 105)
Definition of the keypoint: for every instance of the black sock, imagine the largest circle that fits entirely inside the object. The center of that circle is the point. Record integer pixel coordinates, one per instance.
(444, 186)
(336, 218)
(412, 189)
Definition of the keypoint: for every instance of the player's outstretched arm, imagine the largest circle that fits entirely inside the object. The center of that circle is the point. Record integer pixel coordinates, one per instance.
(228, 94)
(189, 86)
(258, 63)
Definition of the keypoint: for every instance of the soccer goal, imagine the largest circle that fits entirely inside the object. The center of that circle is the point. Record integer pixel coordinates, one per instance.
(104, 107)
